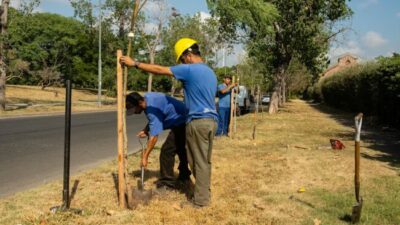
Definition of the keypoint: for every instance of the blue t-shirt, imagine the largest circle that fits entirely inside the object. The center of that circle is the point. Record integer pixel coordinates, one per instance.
(224, 99)
(163, 112)
(200, 87)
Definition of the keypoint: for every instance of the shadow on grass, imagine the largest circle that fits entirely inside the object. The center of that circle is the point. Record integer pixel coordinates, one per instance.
(104, 102)
(147, 174)
(301, 201)
(387, 142)
(346, 218)
(23, 103)
(115, 179)
(73, 191)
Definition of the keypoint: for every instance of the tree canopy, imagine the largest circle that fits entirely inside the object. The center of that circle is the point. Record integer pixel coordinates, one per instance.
(278, 31)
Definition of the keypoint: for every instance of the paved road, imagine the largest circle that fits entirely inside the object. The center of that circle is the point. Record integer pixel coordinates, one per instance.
(31, 149)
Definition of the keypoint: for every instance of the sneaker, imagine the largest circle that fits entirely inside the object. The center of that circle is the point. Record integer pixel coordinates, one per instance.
(169, 184)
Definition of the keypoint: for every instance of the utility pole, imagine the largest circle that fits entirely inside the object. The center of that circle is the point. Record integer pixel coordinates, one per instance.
(100, 66)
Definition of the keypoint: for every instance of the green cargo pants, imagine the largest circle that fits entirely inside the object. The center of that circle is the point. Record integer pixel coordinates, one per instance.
(199, 140)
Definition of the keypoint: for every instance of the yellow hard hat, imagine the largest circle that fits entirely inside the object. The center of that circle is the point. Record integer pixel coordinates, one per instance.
(182, 45)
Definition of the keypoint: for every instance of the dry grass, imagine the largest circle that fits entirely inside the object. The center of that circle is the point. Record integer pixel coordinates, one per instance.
(50, 100)
(252, 182)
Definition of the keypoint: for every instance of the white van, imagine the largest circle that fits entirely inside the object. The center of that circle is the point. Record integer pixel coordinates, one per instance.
(243, 100)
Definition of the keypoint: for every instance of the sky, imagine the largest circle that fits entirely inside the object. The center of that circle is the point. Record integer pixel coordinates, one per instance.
(374, 27)
(375, 30)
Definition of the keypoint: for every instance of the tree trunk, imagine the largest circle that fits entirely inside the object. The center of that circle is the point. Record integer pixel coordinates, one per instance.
(283, 89)
(279, 92)
(121, 27)
(2, 85)
(150, 79)
(3, 69)
(173, 87)
(274, 101)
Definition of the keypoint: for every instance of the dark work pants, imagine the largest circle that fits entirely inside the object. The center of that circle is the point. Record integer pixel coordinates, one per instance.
(224, 114)
(174, 144)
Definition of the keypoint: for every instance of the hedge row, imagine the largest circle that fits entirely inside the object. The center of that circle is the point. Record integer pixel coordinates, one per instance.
(372, 88)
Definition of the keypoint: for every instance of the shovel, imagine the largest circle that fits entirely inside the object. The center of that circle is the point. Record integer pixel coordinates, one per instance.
(356, 214)
(140, 195)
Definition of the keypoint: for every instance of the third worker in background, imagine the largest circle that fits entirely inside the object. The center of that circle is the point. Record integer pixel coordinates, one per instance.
(224, 105)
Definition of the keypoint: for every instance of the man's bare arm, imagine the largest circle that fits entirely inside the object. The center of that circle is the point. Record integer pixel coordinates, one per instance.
(227, 89)
(151, 68)
(150, 146)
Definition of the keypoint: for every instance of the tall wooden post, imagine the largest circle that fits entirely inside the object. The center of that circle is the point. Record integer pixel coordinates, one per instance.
(236, 105)
(257, 93)
(232, 109)
(120, 111)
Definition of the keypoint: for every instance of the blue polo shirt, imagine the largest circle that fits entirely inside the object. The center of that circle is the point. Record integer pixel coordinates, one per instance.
(199, 87)
(163, 112)
(224, 99)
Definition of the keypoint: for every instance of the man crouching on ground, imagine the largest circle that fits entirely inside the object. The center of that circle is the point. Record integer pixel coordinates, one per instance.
(163, 112)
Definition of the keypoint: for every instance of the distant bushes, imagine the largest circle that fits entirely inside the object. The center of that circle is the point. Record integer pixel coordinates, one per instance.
(372, 88)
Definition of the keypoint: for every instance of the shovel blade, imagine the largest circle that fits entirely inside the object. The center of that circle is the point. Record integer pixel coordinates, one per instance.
(140, 197)
(356, 214)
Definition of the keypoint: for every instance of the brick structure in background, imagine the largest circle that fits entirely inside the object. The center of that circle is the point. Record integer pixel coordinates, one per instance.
(344, 61)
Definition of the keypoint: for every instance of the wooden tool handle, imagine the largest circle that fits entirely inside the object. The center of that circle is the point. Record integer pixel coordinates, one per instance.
(358, 123)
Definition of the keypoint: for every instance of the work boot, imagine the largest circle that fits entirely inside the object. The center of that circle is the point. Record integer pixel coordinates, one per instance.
(162, 190)
(186, 187)
(191, 204)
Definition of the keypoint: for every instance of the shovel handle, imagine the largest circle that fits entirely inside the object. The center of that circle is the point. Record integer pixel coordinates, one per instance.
(142, 177)
(142, 167)
(358, 123)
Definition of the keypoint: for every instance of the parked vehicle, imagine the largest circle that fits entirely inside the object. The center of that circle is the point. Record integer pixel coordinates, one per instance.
(243, 100)
(265, 99)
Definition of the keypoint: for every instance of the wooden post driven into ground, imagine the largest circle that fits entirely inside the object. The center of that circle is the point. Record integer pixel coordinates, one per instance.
(236, 105)
(121, 157)
(232, 110)
(257, 94)
(124, 186)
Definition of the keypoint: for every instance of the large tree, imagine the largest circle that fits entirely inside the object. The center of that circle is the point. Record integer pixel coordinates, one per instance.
(203, 30)
(46, 41)
(277, 31)
(151, 27)
(3, 68)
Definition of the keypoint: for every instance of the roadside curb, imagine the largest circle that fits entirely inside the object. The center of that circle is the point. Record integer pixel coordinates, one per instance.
(4, 117)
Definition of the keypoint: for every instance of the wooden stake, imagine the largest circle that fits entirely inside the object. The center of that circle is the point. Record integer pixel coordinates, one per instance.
(255, 112)
(121, 158)
(126, 181)
(236, 105)
(232, 108)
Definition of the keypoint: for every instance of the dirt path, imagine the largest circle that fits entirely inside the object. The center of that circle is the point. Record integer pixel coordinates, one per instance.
(252, 182)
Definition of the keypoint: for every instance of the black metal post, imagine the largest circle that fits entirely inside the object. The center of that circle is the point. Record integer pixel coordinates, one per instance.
(67, 139)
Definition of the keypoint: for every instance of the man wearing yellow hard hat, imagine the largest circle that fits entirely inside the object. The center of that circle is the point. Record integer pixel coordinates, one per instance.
(200, 87)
